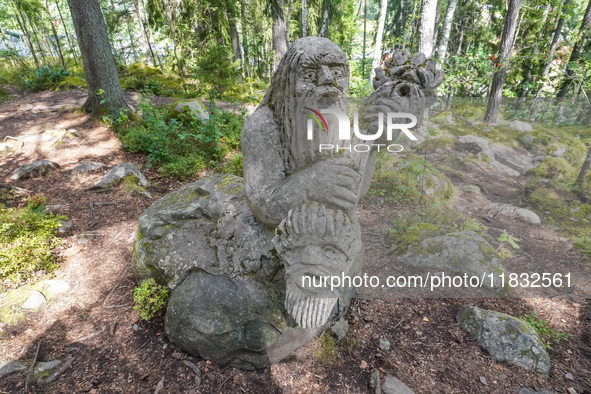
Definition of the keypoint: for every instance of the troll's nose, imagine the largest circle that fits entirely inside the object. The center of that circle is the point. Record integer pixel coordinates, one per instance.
(325, 76)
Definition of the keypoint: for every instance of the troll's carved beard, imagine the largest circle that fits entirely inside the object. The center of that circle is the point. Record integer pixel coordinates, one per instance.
(308, 311)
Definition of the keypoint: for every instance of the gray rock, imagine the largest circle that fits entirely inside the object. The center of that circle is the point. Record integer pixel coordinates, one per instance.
(11, 367)
(521, 126)
(513, 161)
(35, 169)
(496, 208)
(486, 129)
(128, 175)
(482, 143)
(449, 119)
(463, 252)
(35, 300)
(340, 328)
(87, 166)
(387, 384)
(528, 140)
(195, 107)
(384, 344)
(505, 338)
(205, 244)
(560, 150)
(203, 226)
(65, 226)
(55, 286)
(470, 188)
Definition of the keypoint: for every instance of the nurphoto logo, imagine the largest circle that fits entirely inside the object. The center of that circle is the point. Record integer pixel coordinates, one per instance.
(393, 120)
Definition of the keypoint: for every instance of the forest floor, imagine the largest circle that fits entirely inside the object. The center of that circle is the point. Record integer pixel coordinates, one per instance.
(116, 351)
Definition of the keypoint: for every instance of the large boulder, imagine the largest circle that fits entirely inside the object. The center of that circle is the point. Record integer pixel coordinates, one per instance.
(505, 338)
(228, 288)
(462, 252)
(527, 215)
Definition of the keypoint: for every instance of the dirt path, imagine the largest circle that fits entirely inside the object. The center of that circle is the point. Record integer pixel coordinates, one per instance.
(115, 351)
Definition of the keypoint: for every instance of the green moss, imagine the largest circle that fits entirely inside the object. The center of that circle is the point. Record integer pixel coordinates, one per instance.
(429, 247)
(71, 82)
(554, 167)
(327, 349)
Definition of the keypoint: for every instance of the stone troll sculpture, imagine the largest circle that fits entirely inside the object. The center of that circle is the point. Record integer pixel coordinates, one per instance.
(234, 252)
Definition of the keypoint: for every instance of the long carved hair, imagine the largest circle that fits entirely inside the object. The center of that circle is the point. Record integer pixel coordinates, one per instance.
(287, 107)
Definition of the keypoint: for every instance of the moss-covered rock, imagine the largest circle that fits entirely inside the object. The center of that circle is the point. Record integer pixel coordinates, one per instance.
(505, 338)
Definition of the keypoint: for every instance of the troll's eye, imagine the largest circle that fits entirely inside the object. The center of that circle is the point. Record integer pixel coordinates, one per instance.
(338, 72)
(308, 75)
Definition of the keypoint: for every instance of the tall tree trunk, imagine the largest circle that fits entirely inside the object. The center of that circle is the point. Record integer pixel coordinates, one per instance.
(377, 52)
(100, 69)
(324, 28)
(43, 56)
(57, 40)
(304, 18)
(555, 38)
(23, 27)
(147, 46)
(63, 21)
(449, 17)
(584, 170)
(174, 44)
(504, 53)
(235, 38)
(427, 27)
(575, 55)
(245, 54)
(279, 36)
(409, 33)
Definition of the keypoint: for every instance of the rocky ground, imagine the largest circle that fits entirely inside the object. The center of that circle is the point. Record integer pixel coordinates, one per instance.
(92, 328)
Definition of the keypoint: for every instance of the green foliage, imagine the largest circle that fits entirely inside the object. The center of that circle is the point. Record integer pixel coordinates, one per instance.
(411, 180)
(233, 165)
(547, 334)
(183, 145)
(149, 298)
(217, 68)
(150, 80)
(27, 241)
(4, 94)
(508, 238)
(45, 78)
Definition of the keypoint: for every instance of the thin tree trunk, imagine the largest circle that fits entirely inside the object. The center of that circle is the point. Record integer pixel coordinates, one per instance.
(100, 70)
(279, 36)
(43, 56)
(575, 55)
(504, 53)
(133, 49)
(63, 21)
(377, 52)
(23, 27)
(584, 170)
(304, 18)
(147, 46)
(409, 32)
(235, 38)
(57, 40)
(364, 39)
(449, 17)
(427, 27)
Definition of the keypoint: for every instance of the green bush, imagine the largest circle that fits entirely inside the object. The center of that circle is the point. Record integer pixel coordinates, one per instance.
(45, 78)
(547, 334)
(234, 165)
(149, 298)
(27, 241)
(182, 145)
(217, 68)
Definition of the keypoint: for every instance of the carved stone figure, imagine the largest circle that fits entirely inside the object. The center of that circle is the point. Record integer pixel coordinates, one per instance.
(314, 243)
(237, 293)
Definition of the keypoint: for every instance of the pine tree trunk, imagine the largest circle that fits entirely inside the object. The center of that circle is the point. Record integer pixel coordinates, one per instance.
(449, 17)
(43, 56)
(100, 69)
(304, 18)
(279, 36)
(409, 33)
(57, 40)
(575, 55)
(133, 49)
(235, 38)
(504, 53)
(377, 52)
(427, 27)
